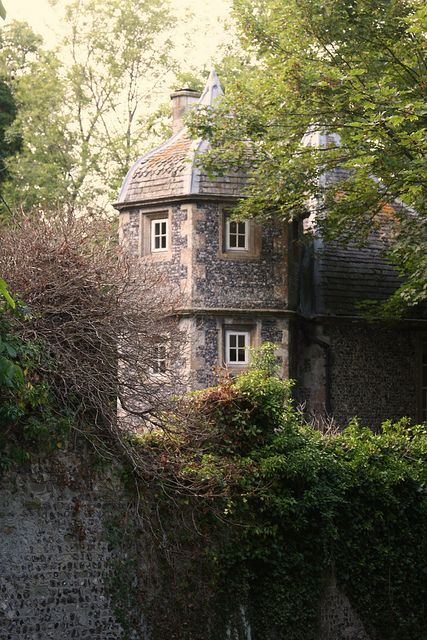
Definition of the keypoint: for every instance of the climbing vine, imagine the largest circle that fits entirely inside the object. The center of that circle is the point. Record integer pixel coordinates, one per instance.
(293, 510)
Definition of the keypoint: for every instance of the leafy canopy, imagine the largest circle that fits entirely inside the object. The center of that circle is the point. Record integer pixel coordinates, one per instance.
(354, 68)
(9, 144)
(82, 109)
(30, 419)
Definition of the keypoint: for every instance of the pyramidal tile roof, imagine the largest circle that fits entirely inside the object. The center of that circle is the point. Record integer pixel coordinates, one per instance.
(171, 169)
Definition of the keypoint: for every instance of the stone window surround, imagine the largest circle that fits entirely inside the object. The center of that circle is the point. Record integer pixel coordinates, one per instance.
(239, 325)
(253, 241)
(146, 218)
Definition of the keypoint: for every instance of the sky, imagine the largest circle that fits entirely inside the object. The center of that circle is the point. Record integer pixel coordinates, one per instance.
(198, 36)
(206, 26)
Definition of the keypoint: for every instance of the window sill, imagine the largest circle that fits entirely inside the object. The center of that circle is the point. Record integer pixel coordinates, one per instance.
(239, 255)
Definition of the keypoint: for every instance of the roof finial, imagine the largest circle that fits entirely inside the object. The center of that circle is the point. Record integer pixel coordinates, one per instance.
(212, 90)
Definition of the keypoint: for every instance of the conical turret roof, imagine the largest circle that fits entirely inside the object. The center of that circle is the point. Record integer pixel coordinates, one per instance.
(171, 170)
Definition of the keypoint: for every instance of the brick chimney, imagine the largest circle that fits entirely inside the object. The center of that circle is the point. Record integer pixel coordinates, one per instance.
(182, 101)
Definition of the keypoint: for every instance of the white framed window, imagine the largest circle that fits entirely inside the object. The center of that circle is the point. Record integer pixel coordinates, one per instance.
(159, 234)
(158, 364)
(237, 345)
(236, 235)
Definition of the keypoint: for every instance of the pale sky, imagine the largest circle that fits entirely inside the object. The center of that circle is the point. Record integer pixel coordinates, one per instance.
(206, 28)
(197, 38)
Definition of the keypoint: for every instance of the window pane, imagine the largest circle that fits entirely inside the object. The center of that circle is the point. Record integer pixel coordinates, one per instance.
(232, 241)
(237, 343)
(236, 234)
(159, 237)
(159, 358)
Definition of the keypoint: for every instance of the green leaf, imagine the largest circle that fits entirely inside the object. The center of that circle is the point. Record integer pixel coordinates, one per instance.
(10, 373)
(6, 295)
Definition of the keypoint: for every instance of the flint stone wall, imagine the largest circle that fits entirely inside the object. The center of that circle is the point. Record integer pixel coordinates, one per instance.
(223, 279)
(56, 560)
(59, 562)
(374, 373)
(371, 371)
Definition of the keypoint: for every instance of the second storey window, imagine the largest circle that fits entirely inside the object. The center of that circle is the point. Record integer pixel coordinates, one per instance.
(159, 358)
(236, 235)
(237, 345)
(159, 235)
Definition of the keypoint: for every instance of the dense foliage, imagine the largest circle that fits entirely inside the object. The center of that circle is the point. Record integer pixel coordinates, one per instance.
(355, 69)
(29, 416)
(82, 108)
(304, 510)
(9, 144)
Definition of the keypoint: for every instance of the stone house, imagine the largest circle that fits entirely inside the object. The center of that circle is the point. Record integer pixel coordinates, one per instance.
(243, 284)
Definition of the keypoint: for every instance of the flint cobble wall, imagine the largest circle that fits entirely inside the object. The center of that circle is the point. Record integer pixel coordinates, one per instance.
(60, 562)
(373, 373)
(56, 560)
(255, 281)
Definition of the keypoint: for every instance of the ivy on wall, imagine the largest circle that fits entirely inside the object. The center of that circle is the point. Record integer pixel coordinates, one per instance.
(253, 511)
(291, 507)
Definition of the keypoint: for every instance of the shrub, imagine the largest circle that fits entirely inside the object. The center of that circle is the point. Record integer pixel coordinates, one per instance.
(293, 509)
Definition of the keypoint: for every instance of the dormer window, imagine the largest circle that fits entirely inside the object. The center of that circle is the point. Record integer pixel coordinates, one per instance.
(159, 235)
(236, 235)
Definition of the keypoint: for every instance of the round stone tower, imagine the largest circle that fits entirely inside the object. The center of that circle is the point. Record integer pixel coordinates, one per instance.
(232, 275)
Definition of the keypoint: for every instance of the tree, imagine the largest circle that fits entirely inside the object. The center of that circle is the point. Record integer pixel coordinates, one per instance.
(82, 124)
(356, 69)
(40, 174)
(9, 144)
(94, 318)
(120, 53)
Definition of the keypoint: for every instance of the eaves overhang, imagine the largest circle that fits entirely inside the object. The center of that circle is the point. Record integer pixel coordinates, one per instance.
(420, 323)
(236, 311)
(178, 199)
